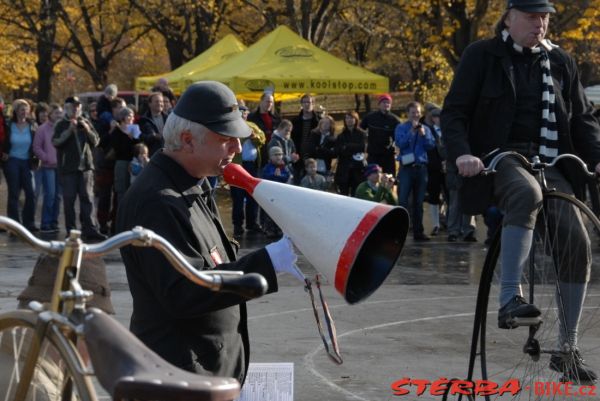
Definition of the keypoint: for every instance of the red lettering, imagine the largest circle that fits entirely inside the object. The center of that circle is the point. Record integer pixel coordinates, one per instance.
(485, 387)
(511, 386)
(421, 385)
(539, 388)
(592, 390)
(398, 384)
(439, 387)
(568, 389)
(556, 389)
(464, 387)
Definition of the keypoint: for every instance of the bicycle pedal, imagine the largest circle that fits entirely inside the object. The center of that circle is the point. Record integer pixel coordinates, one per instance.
(524, 321)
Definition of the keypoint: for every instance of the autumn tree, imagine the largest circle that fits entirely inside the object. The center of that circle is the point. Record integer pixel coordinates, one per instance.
(99, 30)
(188, 27)
(311, 19)
(577, 30)
(416, 43)
(360, 39)
(33, 28)
(390, 41)
(17, 65)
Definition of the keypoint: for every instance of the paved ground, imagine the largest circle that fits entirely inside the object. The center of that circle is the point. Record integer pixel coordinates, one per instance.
(405, 328)
(418, 324)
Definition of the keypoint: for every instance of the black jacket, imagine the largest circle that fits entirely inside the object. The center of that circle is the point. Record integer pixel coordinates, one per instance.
(480, 107)
(257, 119)
(318, 150)
(437, 155)
(287, 145)
(150, 134)
(189, 326)
(381, 128)
(74, 145)
(297, 123)
(347, 144)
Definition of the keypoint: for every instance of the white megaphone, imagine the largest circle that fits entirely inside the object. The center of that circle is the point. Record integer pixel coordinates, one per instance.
(353, 242)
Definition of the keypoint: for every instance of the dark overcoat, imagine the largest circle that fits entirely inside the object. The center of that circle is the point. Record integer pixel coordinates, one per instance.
(480, 106)
(189, 326)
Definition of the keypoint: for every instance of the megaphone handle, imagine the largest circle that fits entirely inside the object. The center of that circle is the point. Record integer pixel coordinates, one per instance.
(329, 320)
(334, 351)
(295, 266)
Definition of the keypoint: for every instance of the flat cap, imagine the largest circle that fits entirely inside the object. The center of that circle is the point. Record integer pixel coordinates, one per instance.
(213, 105)
(532, 6)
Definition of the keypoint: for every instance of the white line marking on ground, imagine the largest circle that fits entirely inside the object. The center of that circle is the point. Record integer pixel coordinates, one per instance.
(367, 303)
(309, 358)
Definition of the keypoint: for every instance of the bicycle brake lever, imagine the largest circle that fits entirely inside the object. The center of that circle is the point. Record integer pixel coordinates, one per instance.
(248, 286)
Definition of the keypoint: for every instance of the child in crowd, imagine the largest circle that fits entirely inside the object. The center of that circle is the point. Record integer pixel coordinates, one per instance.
(282, 139)
(377, 187)
(275, 170)
(312, 179)
(139, 161)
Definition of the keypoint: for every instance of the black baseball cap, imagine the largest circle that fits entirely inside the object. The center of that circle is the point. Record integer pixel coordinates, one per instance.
(73, 100)
(532, 6)
(213, 105)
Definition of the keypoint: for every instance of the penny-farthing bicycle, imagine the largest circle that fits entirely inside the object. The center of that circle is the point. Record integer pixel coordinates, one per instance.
(543, 353)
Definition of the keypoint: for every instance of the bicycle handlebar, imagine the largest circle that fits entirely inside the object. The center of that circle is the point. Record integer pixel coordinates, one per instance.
(536, 164)
(251, 285)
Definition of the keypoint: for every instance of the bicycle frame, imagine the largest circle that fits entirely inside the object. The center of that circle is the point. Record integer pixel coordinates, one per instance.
(537, 166)
(67, 307)
(531, 346)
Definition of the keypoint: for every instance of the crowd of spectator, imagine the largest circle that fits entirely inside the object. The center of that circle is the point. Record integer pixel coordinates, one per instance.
(64, 153)
(380, 159)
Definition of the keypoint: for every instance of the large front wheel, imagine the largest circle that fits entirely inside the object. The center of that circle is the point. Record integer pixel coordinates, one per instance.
(561, 279)
(56, 376)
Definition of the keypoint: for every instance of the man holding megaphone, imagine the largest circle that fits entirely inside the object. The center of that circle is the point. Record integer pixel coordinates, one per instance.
(189, 326)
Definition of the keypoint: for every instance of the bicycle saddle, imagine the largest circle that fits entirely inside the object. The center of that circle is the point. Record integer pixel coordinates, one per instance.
(128, 370)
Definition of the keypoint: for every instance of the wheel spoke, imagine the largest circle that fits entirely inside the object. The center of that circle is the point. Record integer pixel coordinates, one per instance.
(54, 378)
(557, 256)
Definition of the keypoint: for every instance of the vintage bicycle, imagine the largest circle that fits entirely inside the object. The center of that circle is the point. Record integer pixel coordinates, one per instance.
(65, 350)
(525, 352)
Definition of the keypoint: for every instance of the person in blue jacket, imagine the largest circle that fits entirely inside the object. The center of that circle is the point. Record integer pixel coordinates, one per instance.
(413, 140)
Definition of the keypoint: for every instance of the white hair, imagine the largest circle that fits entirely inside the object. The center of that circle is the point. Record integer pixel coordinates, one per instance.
(111, 90)
(173, 128)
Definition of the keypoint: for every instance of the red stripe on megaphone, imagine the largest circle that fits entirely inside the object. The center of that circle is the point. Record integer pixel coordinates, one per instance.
(354, 245)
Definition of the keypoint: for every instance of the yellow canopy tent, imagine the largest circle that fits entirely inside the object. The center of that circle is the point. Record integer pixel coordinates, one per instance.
(227, 47)
(289, 65)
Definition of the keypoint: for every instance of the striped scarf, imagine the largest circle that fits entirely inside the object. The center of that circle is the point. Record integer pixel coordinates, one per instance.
(548, 133)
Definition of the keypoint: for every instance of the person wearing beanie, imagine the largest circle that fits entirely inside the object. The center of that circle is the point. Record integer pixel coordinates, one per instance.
(377, 187)
(103, 104)
(380, 126)
(279, 171)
